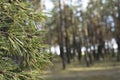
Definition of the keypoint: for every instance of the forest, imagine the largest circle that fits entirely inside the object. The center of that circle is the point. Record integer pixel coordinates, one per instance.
(59, 39)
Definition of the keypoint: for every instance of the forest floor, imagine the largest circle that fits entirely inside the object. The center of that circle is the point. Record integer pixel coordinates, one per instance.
(104, 70)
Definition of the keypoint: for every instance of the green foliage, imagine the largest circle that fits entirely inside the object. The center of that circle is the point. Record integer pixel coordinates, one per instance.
(22, 45)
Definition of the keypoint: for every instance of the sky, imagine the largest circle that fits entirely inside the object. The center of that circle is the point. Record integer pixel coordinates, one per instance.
(85, 3)
(49, 5)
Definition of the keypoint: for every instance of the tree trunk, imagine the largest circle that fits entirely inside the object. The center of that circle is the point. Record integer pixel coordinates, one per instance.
(60, 37)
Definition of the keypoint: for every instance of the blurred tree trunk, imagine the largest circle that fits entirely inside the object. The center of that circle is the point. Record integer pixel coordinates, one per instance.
(117, 30)
(78, 48)
(67, 24)
(77, 42)
(73, 25)
(67, 44)
(60, 36)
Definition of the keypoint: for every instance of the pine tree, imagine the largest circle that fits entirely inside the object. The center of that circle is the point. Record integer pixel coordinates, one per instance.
(22, 47)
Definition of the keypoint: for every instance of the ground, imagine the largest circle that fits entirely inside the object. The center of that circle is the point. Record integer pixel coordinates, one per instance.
(99, 71)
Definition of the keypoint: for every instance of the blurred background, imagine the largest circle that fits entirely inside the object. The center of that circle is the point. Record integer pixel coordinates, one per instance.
(83, 38)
